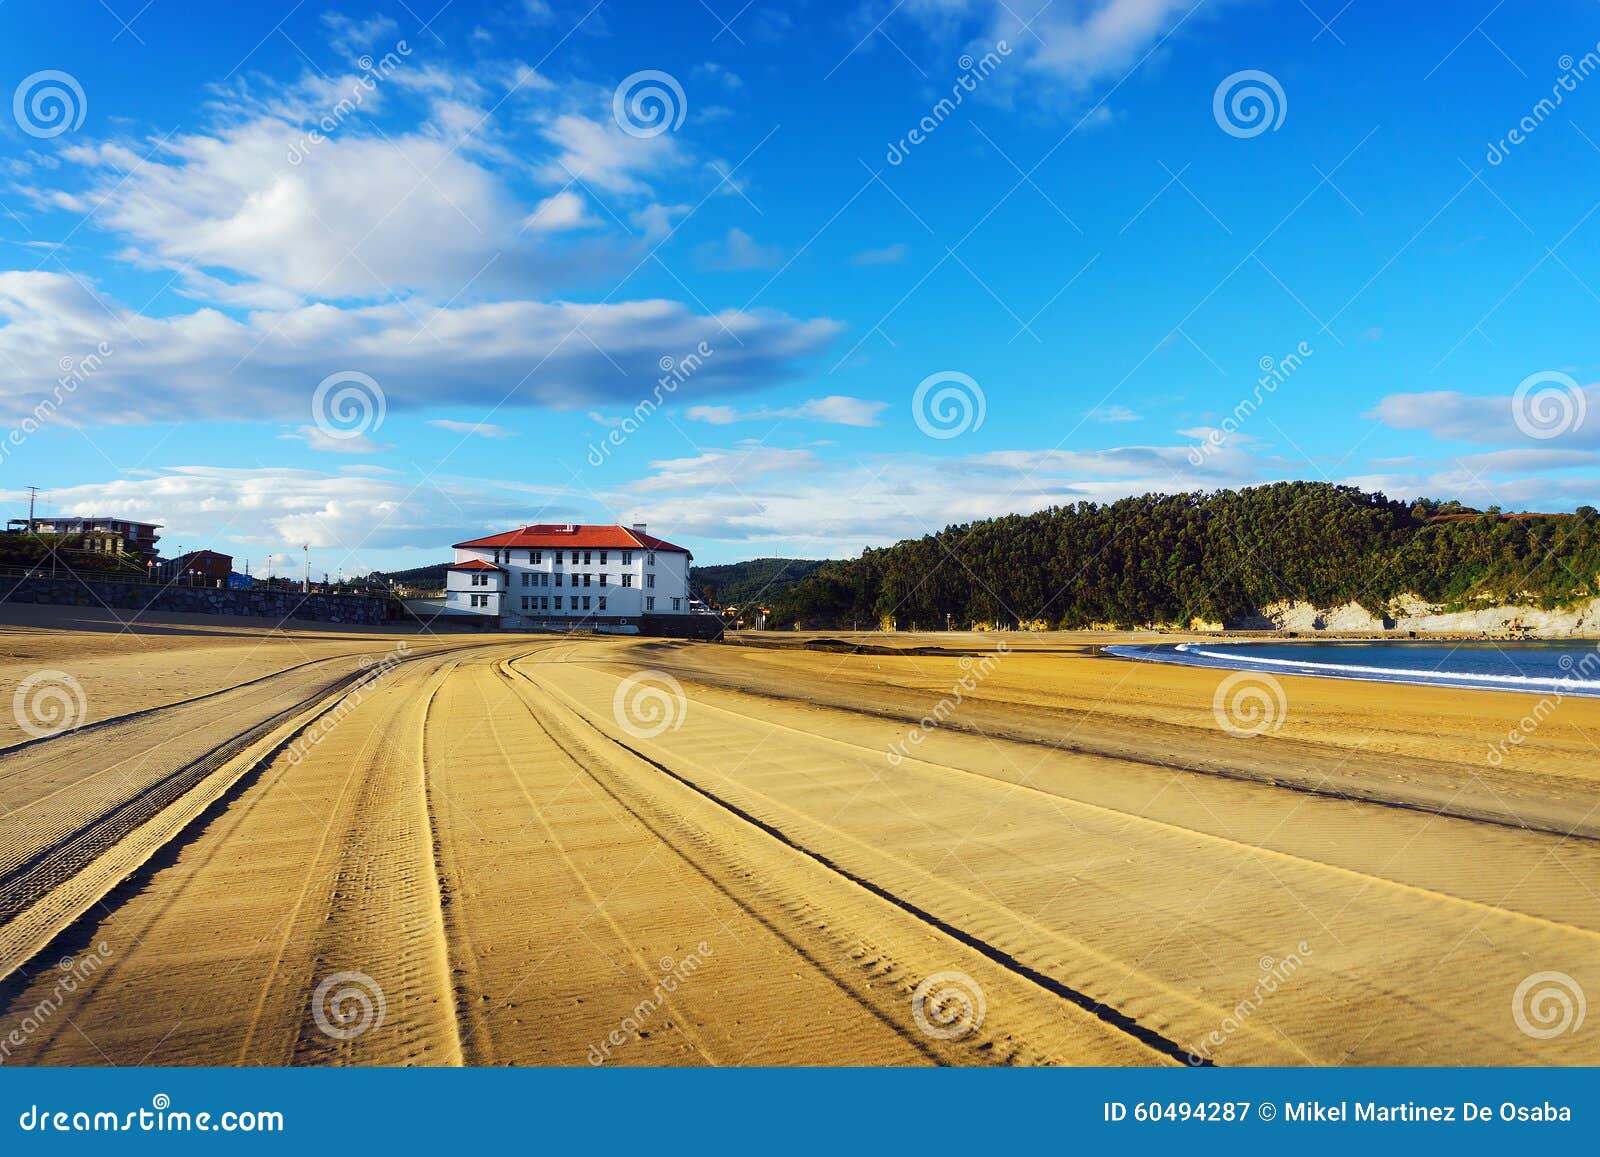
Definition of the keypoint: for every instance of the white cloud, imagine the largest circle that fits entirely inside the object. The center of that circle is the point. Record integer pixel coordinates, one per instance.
(714, 470)
(359, 217)
(345, 516)
(559, 212)
(1112, 413)
(207, 365)
(355, 443)
(738, 251)
(1485, 420)
(476, 429)
(888, 255)
(599, 153)
(771, 495)
(835, 409)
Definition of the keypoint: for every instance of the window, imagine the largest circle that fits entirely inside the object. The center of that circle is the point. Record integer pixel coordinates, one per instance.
(650, 559)
(585, 558)
(627, 558)
(574, 557)
(480, 600)
(602, 578)
(585, 602)
(527, 579)
(544, 579)
(544, 602)
(526, 599)
(650, 581)
(676, 604)
(480, 580)
(627, 580)
(602, 558)
(558, 602)
(602, 602)
(586, 579)
(558, 579)
(536, 556)
(650, 603)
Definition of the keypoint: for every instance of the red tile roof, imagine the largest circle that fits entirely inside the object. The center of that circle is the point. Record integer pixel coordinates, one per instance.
(556, 536)
(472, 564)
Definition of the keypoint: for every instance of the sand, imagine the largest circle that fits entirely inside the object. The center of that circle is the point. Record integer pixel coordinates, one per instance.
(535, 850)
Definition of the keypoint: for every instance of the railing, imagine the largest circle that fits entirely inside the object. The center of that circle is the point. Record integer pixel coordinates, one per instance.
(59, 571)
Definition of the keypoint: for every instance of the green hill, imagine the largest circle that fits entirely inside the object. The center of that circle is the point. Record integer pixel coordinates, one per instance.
(421, 576)
(756, 580)
(1168, 559)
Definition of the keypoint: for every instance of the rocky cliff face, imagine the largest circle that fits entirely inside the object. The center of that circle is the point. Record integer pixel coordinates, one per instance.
(1410, 613)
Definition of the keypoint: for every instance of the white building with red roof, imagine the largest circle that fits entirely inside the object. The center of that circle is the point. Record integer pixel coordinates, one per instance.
(561, 576)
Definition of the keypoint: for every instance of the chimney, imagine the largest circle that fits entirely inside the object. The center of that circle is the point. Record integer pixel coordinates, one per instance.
(639, 526)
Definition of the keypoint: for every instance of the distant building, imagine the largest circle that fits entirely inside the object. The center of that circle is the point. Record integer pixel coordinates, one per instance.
(206, 567)
(564, 576)
(112, 536)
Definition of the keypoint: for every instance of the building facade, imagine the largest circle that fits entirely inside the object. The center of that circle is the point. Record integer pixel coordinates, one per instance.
(114, 536)
(561, 576)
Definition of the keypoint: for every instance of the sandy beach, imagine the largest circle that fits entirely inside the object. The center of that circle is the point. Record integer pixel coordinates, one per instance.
(366, 847)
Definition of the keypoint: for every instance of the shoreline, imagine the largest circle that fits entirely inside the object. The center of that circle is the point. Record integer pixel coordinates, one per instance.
(1183, 655)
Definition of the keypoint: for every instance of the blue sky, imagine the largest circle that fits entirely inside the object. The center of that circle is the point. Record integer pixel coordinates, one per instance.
(378, 277)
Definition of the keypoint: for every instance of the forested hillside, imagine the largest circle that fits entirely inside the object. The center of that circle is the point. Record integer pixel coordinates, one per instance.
(757, 579)
(1168, 559)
